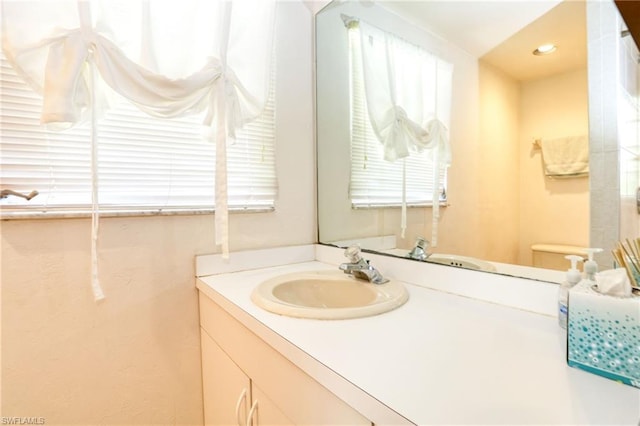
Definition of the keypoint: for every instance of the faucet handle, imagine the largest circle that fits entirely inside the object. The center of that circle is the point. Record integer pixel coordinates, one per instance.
(422, 242)
(353, 253)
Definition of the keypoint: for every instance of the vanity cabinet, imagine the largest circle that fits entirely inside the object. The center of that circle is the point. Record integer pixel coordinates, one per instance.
(246, 381)
(230, 397)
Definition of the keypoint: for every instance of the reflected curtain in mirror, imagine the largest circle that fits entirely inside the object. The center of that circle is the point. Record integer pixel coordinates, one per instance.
(407, 93)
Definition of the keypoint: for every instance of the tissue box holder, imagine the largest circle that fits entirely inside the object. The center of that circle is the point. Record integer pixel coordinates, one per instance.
(603, 334)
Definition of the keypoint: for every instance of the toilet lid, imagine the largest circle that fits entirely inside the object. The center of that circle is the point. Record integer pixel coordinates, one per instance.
(560, 249)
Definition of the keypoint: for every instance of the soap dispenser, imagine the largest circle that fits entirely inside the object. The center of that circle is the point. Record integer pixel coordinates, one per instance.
(590, 266)
(573, 278)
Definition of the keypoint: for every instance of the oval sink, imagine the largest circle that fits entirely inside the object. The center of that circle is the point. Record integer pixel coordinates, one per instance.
(461, 262)
(327, 295)
(451, 260)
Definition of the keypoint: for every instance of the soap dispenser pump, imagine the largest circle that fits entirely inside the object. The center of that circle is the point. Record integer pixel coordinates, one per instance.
(590, 266)
(573, 278)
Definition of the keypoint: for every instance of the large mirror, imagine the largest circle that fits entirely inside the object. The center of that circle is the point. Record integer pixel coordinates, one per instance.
(501, 213)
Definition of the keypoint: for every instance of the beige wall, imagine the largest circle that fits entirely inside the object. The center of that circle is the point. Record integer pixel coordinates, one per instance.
(519, 205)
(134, 358)
(498, 208)
(554, 211)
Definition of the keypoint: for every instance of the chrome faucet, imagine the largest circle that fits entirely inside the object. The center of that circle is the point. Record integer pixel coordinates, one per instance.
(419, 252)
(360, 267)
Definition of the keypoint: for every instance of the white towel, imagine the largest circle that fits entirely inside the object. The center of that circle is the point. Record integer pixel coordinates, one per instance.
(566, 157)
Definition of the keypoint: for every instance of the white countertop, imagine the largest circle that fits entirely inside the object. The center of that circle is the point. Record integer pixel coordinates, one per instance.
(445, 359)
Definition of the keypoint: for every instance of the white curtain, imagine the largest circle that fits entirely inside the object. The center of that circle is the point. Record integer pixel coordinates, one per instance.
(408, 94)
(170, 58)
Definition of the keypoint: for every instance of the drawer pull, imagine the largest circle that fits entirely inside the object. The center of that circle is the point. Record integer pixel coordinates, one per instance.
(254, 406)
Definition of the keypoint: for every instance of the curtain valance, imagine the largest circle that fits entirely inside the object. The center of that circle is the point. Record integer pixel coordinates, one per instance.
(407, 88)
(169, 59)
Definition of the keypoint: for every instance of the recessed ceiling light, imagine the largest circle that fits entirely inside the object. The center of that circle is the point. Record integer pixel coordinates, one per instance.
(545, 49)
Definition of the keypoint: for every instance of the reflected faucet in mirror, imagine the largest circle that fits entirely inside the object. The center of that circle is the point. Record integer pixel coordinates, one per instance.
(419, 251)
(360, 267)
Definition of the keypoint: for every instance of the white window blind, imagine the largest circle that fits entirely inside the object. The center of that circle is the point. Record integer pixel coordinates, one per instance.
(145, 163)
(374, 181)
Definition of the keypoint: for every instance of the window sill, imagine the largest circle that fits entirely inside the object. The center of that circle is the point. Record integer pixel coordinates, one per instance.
(396, 205)
(35, 213)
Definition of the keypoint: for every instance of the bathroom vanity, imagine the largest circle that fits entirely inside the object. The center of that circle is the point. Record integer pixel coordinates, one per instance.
(246, 381)
(466, 348)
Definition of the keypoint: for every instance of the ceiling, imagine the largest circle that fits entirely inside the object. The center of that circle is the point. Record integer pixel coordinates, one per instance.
(504, 33)
(564, 25)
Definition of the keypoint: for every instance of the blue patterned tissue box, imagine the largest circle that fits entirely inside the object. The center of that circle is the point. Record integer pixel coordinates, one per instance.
(603, 334)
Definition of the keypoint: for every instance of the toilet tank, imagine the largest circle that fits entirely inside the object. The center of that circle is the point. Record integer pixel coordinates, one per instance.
(552, 256)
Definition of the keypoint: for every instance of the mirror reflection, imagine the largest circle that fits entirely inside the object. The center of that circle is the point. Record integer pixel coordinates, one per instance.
(499, 204)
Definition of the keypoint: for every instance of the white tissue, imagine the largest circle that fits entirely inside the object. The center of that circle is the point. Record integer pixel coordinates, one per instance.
(614, 282)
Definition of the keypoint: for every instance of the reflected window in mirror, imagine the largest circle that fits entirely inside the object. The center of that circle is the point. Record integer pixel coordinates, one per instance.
(392, 146)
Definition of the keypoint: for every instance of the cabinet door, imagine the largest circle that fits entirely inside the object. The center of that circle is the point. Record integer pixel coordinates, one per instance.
(225, 387)
(264, 412)
(294, 392)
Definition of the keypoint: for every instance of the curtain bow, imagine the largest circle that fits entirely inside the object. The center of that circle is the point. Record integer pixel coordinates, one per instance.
(239, 103)
(398, 134)
(438, 139)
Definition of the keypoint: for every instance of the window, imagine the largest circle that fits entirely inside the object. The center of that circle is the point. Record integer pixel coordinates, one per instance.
(374, 181)
(145, 163)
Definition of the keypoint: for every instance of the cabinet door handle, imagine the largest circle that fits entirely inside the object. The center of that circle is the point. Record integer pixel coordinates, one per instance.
(252, 411)
(241, 399)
